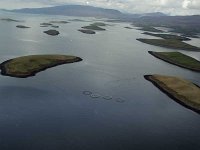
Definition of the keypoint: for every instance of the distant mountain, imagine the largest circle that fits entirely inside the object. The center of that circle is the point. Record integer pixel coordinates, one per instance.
(73, 10)
(155, 14)
(83, 11)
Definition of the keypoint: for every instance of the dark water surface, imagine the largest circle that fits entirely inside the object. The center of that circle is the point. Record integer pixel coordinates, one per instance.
(50, 111)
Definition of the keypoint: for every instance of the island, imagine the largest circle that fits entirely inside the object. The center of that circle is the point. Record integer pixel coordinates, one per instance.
(86, 31)
(94, 27)
(52, 32)
(26, 66)
(178, 59)
(22, 26)
(128, 27)
(149, 29)
(99, 24)
(170, 43)
(169, 36)
(46, 24)
(181, 90)
(10, 20)
(59, 22)
(53, 26)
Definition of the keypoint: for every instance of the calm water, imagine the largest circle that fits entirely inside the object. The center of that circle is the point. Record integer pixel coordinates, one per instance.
(50, 111)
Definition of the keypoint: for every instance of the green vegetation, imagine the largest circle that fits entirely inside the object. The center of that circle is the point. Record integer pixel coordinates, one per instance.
(170, 43)
(21, 26)
(169, 36)
(10, 20)
(98, 24)
(52, 32)
(87, 31)
(181, 90)
(46, 24)
(178, 59)
(53, 26)
(128, 27)
(149, 29)
(59, 22)
(93, 27)
(26, 66)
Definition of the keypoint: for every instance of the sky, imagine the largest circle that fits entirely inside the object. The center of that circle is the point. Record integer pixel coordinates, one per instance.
(170, 7)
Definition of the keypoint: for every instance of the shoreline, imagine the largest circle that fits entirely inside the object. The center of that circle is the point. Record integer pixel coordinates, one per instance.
(172, 62)
(4, 73)
(149, 78)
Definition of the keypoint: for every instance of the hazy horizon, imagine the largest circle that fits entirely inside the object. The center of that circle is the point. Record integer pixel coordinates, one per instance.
(170, 7)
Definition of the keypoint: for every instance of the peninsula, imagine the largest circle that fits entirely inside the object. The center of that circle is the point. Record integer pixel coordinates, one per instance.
(170, 43)
(178, 59)
(26, 66)
(169, 36)
(181, 90)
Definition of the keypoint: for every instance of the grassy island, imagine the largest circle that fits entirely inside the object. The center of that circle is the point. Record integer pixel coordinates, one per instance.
(181, 90)
(178, 59)
(46, 24)
(170, 43)
(10, 20)
(27, 66)
(93, 27)
(22, 27)
(149, 29)
(59, 22)
(86, 31)
(98, 24)
(52, 32)
(169, 36)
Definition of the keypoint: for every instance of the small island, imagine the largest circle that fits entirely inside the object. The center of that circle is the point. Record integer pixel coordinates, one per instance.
(26, 66)
(59, 22)
(169, 36)
(52, 32)
(178, 59)
(128, 28)
(99, 24)
(181, 90)
(46, 24)
(170, 43)
(53, 26)
(93, 27)
(22, 26)
(86, 31)
(10, 20)
(149, 29)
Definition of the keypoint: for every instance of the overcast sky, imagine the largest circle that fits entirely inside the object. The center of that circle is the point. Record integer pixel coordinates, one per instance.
(173, 7)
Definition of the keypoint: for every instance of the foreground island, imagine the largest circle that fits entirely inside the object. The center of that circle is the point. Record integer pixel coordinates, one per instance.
(170, 43)
(181, 90)
(26, 66)
(178, 59)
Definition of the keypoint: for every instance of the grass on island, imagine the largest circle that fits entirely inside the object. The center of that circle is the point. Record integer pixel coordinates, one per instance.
(59, 22)
(86, 31)
(52, 32)
(22, 26)
(10, 20)
(150, 29)
(170, 43)
(178, 59)
(98, 24)
(29, 65)
(168, 36)
(93, 27)
(181, 90)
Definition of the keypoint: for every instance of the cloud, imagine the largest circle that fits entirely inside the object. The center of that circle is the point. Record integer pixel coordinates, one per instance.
(174, 7)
